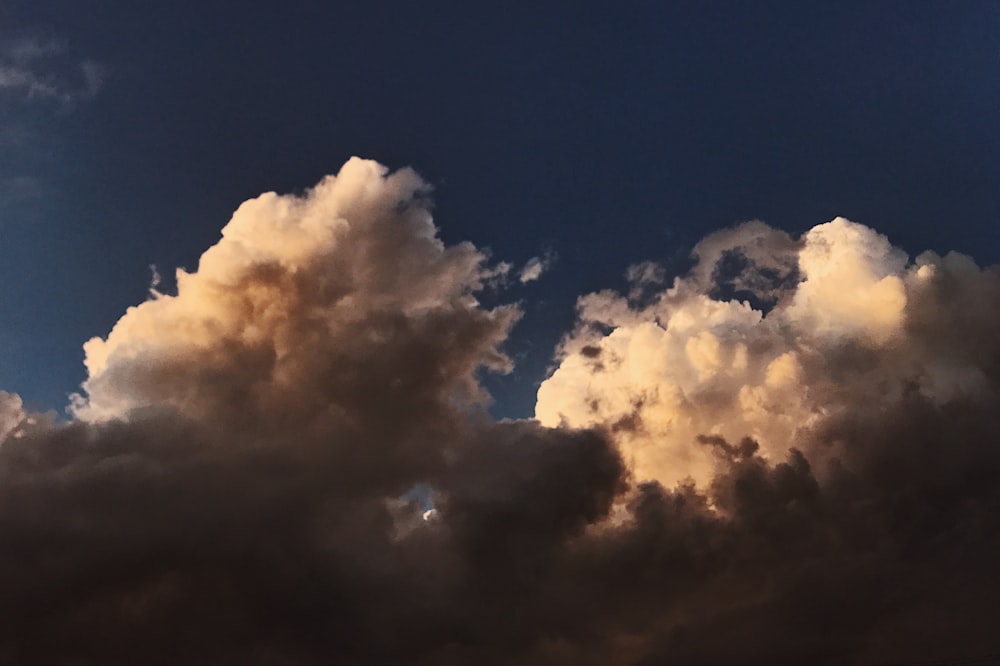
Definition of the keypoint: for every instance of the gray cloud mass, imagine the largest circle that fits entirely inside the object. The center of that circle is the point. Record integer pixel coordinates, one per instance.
(233, 485)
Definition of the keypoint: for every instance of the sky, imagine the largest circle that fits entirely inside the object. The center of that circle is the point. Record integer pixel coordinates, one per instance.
(456, 333)
(603, 135)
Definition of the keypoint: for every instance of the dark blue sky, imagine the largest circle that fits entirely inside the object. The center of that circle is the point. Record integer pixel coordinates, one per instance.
(606, 134)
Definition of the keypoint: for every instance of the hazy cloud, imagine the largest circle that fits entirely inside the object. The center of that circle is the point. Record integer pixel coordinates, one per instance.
(535, 266)
(42, 70)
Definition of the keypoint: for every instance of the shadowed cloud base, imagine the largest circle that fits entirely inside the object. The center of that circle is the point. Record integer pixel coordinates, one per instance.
(788, 456)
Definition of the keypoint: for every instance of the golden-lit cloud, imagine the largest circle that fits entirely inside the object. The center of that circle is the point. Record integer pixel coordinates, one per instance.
(288, 460)
(296, 302)
(839, 335)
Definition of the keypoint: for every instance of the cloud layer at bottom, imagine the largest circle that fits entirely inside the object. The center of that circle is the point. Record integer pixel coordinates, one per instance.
(234, 486)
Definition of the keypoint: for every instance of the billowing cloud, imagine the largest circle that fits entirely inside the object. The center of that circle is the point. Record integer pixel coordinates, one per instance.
(249, 468)
(771, 338)
(306, 306)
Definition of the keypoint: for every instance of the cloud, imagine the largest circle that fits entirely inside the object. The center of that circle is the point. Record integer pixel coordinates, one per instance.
(321, 301)
(250, 468)
(535, 266)
(11, 413)
(232, 481)
(850, 325)
(38, 70)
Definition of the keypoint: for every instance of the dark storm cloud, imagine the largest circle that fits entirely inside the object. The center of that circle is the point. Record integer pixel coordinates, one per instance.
(235, 486)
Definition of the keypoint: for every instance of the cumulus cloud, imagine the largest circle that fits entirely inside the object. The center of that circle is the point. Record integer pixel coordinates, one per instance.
(824, 399)
(288, 460)
(849, 325)
(316, 298)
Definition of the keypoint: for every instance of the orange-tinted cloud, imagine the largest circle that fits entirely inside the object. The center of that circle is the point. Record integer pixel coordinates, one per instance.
(236, 486)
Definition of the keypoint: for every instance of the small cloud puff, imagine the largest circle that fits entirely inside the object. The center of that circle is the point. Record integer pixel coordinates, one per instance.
(535, 266)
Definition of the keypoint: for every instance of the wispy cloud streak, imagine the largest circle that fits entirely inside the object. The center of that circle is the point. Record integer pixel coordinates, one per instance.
(36, 70)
